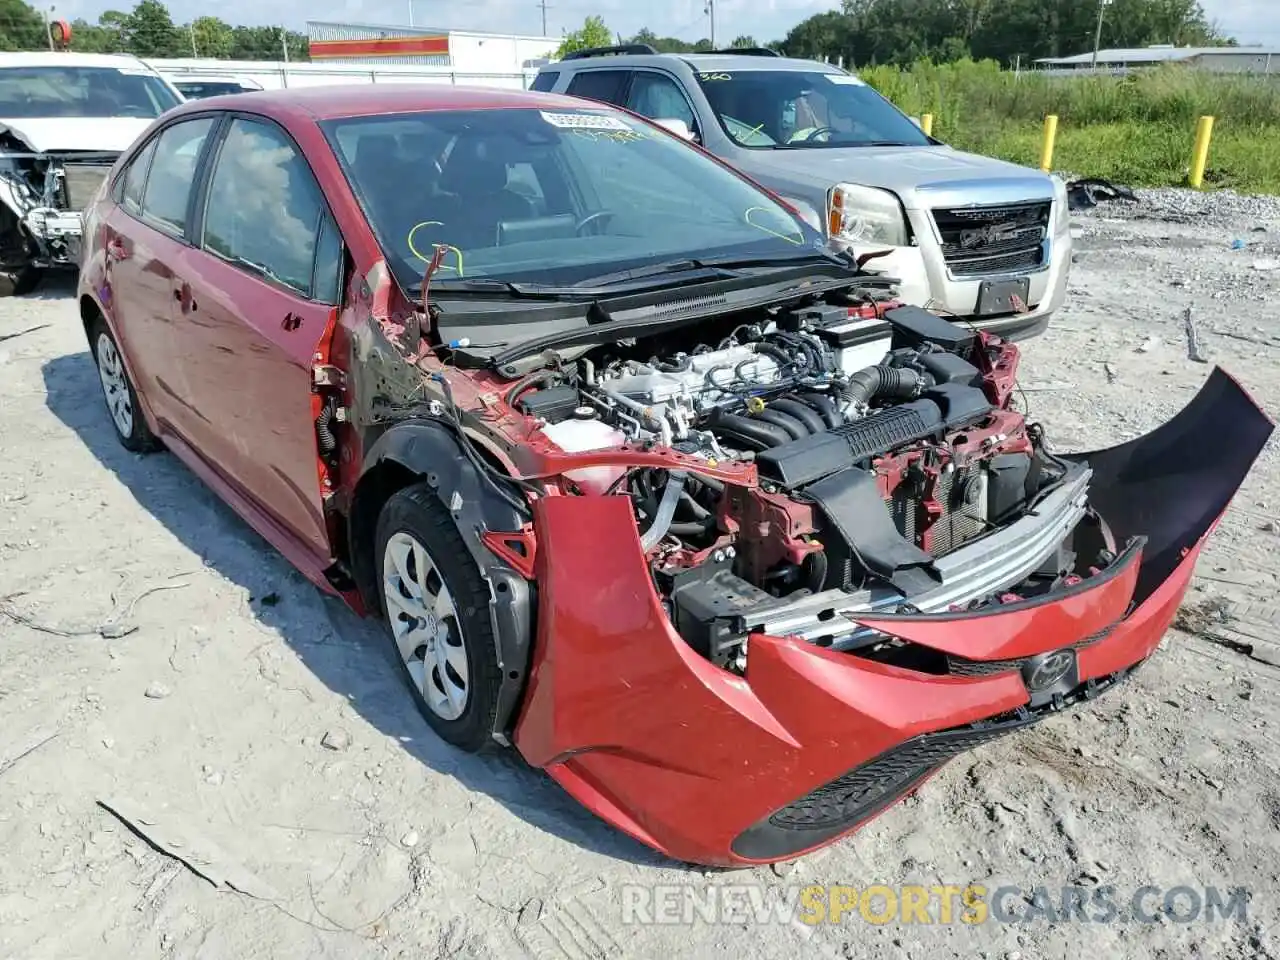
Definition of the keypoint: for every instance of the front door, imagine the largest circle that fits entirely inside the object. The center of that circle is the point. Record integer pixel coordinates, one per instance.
(254, 299)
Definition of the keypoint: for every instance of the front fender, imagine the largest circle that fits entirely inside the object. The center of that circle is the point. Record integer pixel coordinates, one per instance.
(430, 450)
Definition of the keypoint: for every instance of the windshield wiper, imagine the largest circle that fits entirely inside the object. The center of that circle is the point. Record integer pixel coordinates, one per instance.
(501, 288)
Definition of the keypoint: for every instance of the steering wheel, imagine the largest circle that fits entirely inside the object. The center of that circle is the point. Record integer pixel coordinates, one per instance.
(598, 217)
(804, 136)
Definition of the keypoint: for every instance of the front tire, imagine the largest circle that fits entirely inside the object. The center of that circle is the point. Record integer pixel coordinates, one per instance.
(436, 606)
(117, 390)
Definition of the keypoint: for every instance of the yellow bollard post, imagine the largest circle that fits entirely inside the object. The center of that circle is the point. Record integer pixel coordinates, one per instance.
(926, 124)
(1200, 155)
(1050, 138)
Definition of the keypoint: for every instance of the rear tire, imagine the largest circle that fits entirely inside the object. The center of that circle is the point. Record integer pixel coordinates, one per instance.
(436, 606)
(117, 390)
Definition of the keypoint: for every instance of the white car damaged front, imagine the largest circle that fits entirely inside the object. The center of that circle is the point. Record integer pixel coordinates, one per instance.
(64, 120)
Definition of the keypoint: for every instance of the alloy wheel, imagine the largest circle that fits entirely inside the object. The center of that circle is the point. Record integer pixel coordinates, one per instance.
(115, 388)
(425, 625)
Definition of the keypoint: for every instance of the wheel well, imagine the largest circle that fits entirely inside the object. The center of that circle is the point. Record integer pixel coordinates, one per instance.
(375, 488)
(89, 314)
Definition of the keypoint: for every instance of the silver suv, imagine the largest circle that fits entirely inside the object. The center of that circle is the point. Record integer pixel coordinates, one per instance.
(986, 241)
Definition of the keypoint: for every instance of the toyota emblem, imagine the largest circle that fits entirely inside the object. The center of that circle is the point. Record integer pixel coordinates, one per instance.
(1050, 670)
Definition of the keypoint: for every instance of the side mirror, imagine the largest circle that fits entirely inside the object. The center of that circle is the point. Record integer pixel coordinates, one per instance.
(678, 127)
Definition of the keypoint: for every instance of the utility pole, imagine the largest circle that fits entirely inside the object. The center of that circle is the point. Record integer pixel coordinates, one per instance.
(1097, 37)
(411, 13)
(194, 53)
(48, 27)
(711, 12)
(544, 7)
(284, 43)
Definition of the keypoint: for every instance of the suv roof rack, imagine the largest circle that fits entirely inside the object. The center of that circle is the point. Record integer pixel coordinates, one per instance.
(626, 48)
(748, 52)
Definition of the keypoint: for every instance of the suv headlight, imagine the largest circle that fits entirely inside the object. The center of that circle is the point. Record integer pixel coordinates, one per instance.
(866, 215)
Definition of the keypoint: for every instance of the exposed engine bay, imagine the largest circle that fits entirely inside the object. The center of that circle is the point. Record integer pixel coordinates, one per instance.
(46, 193)
(895, 472)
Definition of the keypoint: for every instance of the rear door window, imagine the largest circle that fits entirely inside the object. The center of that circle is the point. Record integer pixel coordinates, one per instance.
(606, 85)
(264, 207)
(173, 171)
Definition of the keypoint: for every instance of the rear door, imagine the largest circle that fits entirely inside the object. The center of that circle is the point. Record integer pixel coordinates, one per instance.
(255, 298)
(145, 237)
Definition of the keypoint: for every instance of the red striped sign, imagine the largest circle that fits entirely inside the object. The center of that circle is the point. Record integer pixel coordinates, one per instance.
(384, 47)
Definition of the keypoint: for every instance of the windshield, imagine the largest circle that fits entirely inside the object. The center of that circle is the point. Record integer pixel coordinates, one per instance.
(200, 89)
(775, 109)
(44, 92)
(553, 198)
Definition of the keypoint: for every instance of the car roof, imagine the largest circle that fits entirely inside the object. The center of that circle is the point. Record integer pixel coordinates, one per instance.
(52, 59)
(701, 62)
(358, 100)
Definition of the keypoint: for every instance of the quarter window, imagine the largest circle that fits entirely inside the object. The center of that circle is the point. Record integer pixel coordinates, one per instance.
(135, 178)
(264, 207)
(173, 171)
(545, 81)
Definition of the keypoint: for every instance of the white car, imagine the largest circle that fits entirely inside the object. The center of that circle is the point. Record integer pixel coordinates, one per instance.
(64, 119)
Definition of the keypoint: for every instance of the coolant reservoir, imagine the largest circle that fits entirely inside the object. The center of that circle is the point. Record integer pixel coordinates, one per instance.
(579, 435)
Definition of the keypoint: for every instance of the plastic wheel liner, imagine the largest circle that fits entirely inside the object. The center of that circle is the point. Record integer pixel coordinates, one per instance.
(715, 768)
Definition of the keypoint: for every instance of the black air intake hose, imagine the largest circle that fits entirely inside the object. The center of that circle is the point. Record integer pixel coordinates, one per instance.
(825, 406)
(793, 425)
(882, 381)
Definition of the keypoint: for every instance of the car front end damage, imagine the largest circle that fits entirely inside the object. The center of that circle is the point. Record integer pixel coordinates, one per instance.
(45, 194)
(785, 562)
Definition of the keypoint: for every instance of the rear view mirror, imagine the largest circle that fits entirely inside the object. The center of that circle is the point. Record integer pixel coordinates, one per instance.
(678, 127)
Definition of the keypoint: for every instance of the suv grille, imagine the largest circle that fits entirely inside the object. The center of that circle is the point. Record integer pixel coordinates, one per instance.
(987, 241)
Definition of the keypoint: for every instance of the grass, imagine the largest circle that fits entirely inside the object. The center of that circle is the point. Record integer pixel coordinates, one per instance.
(1136, 130)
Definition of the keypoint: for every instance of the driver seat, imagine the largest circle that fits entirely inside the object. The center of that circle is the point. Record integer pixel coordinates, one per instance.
(476, 177)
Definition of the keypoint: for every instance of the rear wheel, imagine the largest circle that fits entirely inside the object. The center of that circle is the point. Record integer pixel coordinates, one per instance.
(117, 391)
(436, 606)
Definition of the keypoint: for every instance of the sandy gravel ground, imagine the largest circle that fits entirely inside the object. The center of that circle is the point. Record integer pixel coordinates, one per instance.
(223, 684)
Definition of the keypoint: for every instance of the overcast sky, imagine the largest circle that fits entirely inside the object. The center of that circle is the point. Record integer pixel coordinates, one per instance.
(1252, 21)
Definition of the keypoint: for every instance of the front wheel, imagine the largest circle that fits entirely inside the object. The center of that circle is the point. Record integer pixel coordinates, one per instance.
(436, 606)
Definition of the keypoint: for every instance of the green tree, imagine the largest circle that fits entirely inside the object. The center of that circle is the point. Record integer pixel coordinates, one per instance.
(21, 27)
(213, 37)
(149, 31)
(746, 42)
(592, 34)
(95, 38)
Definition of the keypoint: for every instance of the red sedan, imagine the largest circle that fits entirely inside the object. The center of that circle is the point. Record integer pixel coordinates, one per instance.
(643, 477)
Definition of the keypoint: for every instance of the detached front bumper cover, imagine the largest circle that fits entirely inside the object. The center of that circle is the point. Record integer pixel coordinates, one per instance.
(718, 769)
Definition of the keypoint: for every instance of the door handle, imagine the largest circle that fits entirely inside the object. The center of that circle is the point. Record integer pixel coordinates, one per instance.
(182, 293)
(116, 249)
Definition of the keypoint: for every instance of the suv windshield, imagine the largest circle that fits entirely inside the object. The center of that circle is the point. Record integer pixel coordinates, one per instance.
(41, 92)
(775, 109)
(526, 195)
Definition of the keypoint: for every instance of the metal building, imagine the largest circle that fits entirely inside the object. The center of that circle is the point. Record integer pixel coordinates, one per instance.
(362, 43)
(1264, 60)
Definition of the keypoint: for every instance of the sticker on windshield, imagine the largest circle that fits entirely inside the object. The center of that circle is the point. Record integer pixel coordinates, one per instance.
(714, 76)
(584, 121)
(847, 80)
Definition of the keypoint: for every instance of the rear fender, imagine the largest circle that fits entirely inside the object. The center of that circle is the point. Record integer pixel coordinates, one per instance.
(432, 453)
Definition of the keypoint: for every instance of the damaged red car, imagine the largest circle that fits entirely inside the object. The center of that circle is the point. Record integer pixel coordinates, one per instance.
(646, 481)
